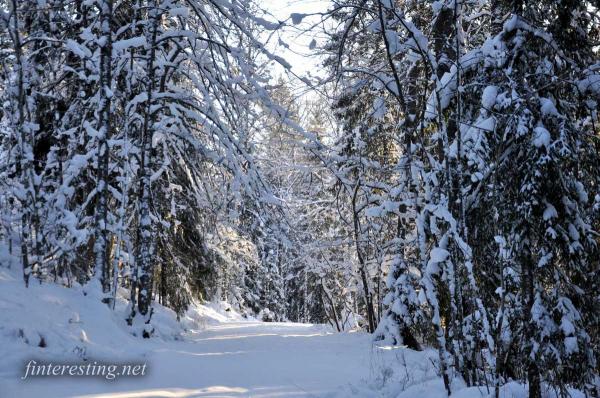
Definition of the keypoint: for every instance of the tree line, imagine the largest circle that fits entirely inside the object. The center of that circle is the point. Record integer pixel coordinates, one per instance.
(441, 190)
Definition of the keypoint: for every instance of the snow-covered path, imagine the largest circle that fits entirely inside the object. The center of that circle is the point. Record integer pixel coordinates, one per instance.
(236, 359)
(213, 352)
(271, 360)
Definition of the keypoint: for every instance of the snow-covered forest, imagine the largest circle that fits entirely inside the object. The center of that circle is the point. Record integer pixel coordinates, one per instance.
(425, 198)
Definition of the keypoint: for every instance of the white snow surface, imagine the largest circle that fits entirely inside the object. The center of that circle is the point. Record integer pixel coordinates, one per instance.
(212, 352)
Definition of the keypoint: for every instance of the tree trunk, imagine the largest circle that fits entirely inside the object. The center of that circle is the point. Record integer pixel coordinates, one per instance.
(22, 165)
(362, 265)
(528, 292)
(101, 248)
(145, 250)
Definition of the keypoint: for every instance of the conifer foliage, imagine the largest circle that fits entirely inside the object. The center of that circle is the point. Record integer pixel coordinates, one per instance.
(125, 131)
(495, 189)
(440, 187)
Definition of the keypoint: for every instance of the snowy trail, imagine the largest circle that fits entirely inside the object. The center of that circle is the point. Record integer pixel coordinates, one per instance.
(277, 359)
(235, 359)
(212, 352)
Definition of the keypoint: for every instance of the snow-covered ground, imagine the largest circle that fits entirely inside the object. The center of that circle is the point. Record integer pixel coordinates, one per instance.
(211, 353)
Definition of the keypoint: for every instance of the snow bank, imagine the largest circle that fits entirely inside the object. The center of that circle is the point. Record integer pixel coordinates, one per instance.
(51, 322)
